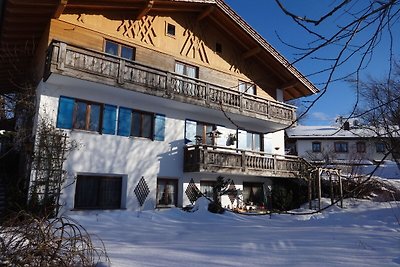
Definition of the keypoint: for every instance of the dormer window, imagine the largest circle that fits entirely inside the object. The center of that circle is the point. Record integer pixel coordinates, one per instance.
(119, 50)
(171, 29)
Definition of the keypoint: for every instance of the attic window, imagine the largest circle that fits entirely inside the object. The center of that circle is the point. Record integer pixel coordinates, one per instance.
(170, 29)
(218, 48)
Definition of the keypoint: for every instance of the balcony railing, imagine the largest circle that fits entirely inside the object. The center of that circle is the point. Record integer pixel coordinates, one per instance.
(100, 67)
(204, 158)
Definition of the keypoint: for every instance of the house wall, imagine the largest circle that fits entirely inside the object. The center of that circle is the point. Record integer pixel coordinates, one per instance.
(128, 157)
(304, 149)
(194, 43)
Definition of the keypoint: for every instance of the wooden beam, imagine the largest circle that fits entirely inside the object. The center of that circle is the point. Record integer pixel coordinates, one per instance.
(251, 52)
(205, 13)
(145, 10)
(60, 8)
(288, 85)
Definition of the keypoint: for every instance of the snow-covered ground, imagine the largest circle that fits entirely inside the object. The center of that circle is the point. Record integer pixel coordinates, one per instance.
(364, 233)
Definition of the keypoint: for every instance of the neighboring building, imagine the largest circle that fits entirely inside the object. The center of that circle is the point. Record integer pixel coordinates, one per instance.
(160, 96)
(327, 145)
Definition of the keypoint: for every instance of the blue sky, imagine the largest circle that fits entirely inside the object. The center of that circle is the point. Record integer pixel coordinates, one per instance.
(277, 28)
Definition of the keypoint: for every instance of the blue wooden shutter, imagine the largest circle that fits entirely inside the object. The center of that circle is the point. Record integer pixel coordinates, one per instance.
(109, 119)
(65, 112)
(124, 121)
(159, 127)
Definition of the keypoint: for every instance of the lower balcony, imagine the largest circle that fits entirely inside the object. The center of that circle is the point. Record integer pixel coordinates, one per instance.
(204, 158)
(110, 70)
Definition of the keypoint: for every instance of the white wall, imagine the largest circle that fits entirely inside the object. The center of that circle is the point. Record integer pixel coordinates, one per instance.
(304, 149)
(130, 157)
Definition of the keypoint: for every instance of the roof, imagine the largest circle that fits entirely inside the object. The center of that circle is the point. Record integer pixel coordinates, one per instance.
(24, 22)
(328, 132)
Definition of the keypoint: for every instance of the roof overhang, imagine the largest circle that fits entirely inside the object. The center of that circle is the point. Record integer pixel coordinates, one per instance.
(24, 22)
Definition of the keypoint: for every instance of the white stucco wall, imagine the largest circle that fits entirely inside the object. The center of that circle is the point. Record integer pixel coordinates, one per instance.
(131, 157)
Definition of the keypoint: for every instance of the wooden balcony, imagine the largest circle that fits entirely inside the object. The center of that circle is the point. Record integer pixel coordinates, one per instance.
(95, 66)
(204, 158)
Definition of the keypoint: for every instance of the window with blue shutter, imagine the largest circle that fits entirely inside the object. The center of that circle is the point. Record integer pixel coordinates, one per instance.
(109, 119)
(159, 127)
(65, 112)
(124, 121)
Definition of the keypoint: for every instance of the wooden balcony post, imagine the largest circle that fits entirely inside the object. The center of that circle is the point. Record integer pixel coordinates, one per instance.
(121, 69)
(168, 85)
(207, 93)
(205, 157)
(244, 162)
(62, 56)
(241, 102)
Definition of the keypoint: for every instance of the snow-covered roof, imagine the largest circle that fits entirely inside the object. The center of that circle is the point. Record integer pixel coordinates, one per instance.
(324, 132)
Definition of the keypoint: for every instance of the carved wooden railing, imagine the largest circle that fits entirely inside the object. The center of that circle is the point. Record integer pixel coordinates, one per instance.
(100, 67)
(204, 158)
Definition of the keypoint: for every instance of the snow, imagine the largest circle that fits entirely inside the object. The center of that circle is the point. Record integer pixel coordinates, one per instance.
(387, 170)
(364, 233)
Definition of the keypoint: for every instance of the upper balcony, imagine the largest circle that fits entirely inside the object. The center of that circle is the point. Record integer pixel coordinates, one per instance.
(96, 66)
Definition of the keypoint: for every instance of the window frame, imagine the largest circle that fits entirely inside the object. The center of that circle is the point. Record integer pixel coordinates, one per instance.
(99, 194)
(167, 28)
(185, 69)
(361, 147)
(380, 147)
(341, 147)
(142, 114)
(87, 115)
(252, 145)
(208, 184)
(119, 49)
(168, 181)
(316, 147)
(247, 86)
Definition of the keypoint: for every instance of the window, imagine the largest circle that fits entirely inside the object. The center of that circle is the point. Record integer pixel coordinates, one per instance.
(250, 140)
(170, 29)
(247, 88)
(87, 116)
(167, 192)
(187, 70)
(316, 147)
(380, 147)
(120, 50)
(142, 124)
(98, 192)
(341, 147)
(361, 148)
(207, 188)
(253, 194)
(199, 132)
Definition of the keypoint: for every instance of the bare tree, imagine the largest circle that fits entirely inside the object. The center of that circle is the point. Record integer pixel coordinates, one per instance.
(380, 109)
(345, 35)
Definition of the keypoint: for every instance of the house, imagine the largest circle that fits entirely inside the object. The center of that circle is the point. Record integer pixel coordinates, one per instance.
(348, 144)
(161, 97)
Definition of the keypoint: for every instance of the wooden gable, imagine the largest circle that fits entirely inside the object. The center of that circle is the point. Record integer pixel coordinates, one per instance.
(208, 34)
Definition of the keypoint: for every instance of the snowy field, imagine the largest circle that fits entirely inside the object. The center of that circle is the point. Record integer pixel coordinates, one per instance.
(364, 233)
